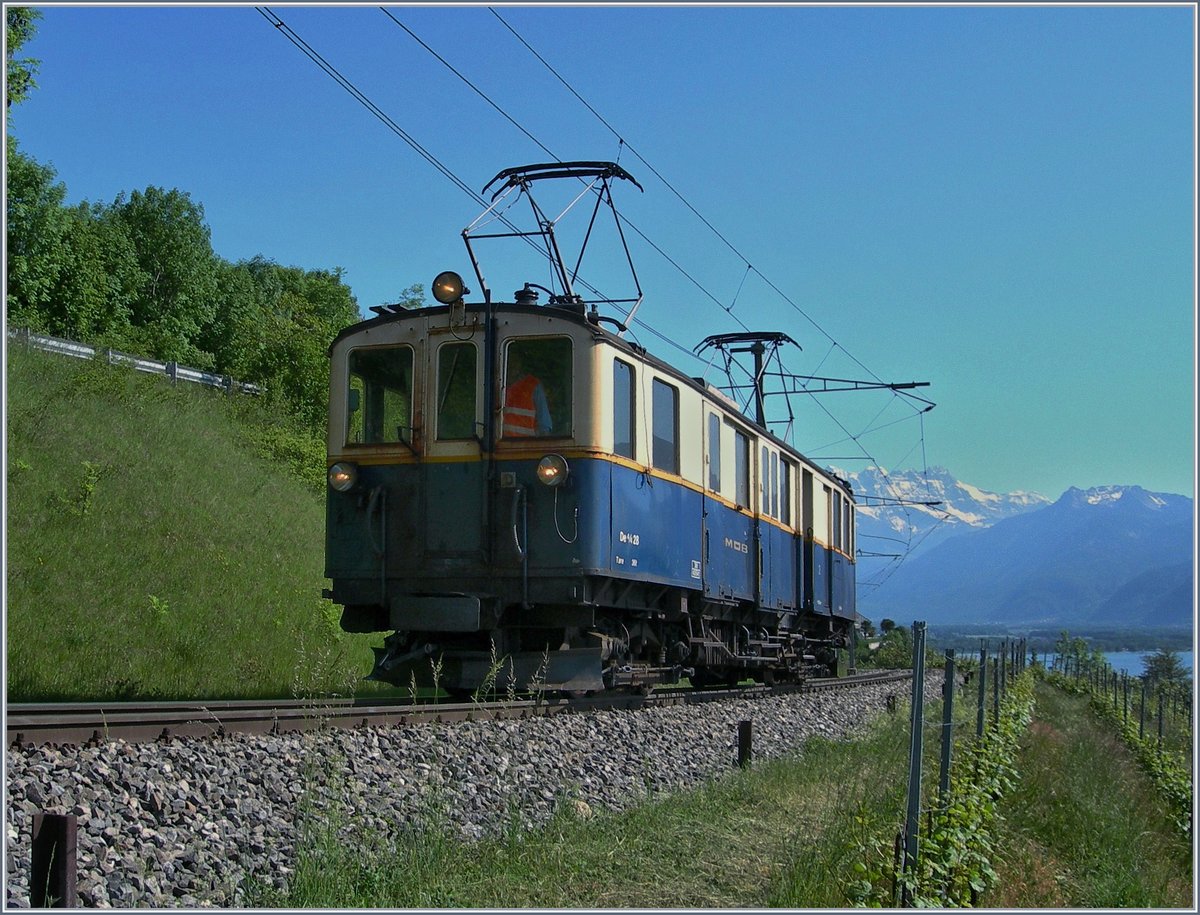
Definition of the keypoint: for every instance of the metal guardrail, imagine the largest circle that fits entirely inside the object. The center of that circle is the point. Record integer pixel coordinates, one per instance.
(172, 370)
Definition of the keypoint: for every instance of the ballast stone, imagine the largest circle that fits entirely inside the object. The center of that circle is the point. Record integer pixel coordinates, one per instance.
(193, 823)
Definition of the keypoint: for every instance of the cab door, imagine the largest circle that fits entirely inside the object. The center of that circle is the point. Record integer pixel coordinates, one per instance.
(453, 489)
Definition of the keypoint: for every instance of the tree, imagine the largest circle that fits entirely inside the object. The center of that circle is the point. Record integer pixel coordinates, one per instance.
(93, 296)
(177, 299)
(895, 649)
(1165, 668)
(35, 226)
(19, 28)
(411, 297)
(277, 330)
(886, 625)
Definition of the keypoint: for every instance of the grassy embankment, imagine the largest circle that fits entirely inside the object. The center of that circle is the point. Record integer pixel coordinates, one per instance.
(162, 542)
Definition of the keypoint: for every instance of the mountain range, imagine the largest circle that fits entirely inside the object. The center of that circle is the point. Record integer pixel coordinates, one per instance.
(1114, 556)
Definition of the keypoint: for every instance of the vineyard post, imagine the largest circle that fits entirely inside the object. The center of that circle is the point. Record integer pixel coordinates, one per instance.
(917, 725)
(981, 710)
(1160, 718)
(947, 726)
(1125, 698)
(995, 692)
(1142, 715)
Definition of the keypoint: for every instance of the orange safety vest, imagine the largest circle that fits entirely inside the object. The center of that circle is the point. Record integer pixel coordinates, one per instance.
(520, 417)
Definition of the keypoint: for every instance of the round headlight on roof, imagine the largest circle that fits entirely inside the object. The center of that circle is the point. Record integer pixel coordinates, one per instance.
(448, 287)
(552, 470)
(343, 476)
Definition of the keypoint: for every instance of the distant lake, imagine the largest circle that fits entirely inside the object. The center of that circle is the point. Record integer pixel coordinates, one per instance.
(1134, 661)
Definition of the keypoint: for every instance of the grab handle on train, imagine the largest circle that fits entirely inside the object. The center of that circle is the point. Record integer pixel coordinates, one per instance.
(518, 496)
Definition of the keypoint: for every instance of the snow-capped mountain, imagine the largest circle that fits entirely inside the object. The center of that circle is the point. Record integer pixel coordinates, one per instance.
(1112, 555)
(910, 529)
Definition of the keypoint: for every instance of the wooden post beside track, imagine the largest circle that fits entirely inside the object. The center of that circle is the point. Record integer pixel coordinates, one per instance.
(745, 743)
(52, 870)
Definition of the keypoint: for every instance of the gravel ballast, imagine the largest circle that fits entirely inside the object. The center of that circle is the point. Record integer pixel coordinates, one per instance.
(184, 823)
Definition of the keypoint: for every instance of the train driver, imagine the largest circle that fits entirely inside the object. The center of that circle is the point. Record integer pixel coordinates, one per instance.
(526, 410)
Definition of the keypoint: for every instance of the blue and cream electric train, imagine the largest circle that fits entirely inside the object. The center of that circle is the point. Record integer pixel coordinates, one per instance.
(514, 486)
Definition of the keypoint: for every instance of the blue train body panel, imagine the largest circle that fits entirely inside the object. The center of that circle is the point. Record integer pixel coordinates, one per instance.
(609, 520)
(657, 529)
(729, 562)
(780, 585)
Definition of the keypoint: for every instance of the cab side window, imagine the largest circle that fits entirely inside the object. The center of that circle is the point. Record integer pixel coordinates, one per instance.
(537, 388)
(379, 407)
(624, 431)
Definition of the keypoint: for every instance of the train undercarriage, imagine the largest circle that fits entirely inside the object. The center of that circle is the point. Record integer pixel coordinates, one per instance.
(575, 649)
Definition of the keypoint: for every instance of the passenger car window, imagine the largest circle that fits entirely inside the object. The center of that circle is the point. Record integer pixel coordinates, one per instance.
(537, 388)
(785, 492)
(714, 452)
(456, 391)
(741, 468)
(379, 402)
(665, 404)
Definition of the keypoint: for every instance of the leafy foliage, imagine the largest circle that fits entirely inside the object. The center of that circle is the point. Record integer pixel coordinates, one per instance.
(955, 852)
(19, 28)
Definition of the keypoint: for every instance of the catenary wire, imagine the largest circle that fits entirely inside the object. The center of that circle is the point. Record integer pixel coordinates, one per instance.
(359, 96)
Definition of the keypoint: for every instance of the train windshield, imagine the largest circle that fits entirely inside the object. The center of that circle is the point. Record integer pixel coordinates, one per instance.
(537, 388)
(457, 413)
(379, 410)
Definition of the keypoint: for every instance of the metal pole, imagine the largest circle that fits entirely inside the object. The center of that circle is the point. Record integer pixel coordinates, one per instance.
(980, 712)
(1142, 717)
(995, 692)
(1160, 718)
(912, 821)
(1125, 697)
(947, 726)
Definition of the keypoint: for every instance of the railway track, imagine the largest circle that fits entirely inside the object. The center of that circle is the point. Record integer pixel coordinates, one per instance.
(82, 722)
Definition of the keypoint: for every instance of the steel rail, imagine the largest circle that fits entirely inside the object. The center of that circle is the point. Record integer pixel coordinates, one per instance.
(80, 723)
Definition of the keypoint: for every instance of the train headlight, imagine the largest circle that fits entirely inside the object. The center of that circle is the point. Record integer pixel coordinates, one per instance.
(343, 476)
(448, 287)
(552, 470)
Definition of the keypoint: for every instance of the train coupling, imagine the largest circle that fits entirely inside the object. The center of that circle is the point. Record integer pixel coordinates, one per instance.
(391, 656)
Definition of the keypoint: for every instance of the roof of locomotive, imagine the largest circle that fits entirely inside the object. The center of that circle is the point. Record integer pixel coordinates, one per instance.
(575, 316)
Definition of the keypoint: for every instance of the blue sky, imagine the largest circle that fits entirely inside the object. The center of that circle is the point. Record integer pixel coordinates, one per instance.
(996, 200)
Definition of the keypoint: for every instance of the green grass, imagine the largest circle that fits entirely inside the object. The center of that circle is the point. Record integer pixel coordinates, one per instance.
(783, 833)
(1085, 827)
(153, 551)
